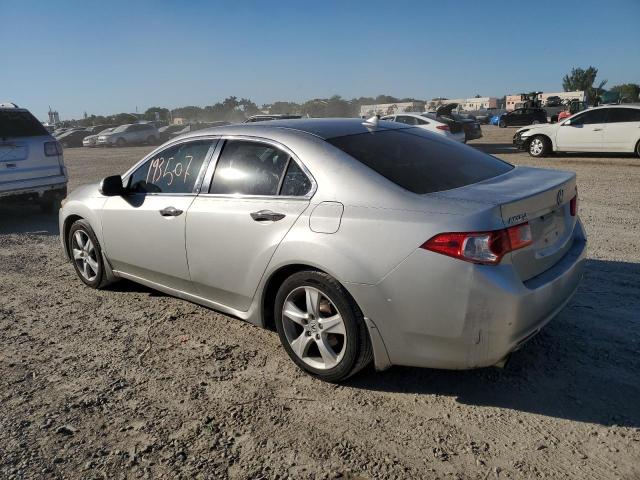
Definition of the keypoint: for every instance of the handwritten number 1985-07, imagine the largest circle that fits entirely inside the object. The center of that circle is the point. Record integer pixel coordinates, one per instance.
(161, 169)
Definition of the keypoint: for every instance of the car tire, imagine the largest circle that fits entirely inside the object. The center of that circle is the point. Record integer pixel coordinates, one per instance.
(502, 124)
(539, 146)
(151, 140)
(321, 327)
(638, 148)
(121, 142)
(86, 255)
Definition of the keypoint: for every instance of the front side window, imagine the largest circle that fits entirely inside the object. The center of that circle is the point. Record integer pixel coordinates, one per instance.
(591, 117)
(249, 168)
(173, 170)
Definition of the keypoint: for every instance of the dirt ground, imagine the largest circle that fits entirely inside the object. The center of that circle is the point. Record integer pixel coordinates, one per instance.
(218, 398)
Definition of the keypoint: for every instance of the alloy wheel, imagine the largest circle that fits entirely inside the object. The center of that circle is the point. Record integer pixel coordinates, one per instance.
(314, 328)
(84, 255)
(536, 147)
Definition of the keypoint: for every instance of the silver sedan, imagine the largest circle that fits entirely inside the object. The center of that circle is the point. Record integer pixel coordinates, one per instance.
(356, 241)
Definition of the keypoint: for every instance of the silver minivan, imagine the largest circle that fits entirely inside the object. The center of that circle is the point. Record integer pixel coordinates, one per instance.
(31, 161)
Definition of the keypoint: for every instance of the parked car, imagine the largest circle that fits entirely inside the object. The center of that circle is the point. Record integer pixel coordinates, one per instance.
(470, 125)
(92, 140)
(130, 134)
(354, 240)
(553, 101)
(495, 120)
(274, 116)
(484, 117)
(166, 131)
(421, 120)
(73, 138)
(456, 123)
(523, 116)
(31, 160)
(612, 128)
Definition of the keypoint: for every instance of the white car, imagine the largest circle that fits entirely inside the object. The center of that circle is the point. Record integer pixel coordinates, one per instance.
(427, 122)
(611, 128)
(31, 161)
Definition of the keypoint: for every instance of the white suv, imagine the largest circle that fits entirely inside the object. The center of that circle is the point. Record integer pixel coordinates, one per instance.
(610, 128)
(31, 161)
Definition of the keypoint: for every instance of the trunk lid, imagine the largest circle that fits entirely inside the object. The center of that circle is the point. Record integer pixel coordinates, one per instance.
(539, 196)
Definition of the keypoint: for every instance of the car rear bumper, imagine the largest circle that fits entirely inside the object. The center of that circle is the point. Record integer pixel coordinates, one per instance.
(438, 312)
(35, 187)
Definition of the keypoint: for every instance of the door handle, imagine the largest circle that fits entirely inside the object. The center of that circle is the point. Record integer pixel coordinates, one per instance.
(597, 129)
(267, 216)
(170, 212)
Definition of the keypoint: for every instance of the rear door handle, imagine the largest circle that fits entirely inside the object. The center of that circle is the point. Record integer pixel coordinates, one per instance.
(170, 212)
(597, 129)
(267, 216)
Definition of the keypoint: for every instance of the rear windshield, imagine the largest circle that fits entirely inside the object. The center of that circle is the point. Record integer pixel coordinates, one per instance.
(419, 161)
(20, 124)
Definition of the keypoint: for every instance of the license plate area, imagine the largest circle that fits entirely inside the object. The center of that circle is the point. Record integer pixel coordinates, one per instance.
(549, 232)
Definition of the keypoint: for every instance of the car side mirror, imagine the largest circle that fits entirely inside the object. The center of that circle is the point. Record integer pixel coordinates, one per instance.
(112, 186)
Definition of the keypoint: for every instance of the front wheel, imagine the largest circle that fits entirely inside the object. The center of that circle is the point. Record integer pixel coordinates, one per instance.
(321, 327)
(86, 254)
(502, 124)
(638, 148)
(539, 146)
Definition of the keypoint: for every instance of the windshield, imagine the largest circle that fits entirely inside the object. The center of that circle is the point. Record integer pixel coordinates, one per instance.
(419, 161)
(121, 128)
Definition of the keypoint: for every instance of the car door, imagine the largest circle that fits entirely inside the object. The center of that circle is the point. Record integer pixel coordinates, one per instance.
(513, 118)
(144, 230)
(582, 132)
(622, 130)
(257, 189)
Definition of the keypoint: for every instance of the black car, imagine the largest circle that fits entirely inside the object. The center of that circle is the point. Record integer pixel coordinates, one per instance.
(521, 117)
(73, 138)
(457, 122)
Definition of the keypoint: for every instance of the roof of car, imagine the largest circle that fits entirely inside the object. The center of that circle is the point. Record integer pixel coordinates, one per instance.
(324, 128)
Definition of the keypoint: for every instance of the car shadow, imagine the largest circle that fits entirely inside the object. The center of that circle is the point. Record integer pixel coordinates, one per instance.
(17, 218)
(584, 366)
(494, 148)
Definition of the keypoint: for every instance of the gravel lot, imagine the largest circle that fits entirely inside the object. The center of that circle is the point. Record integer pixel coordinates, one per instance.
(215, 397)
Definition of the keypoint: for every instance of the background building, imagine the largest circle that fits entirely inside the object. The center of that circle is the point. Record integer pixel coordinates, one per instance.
(390, 108)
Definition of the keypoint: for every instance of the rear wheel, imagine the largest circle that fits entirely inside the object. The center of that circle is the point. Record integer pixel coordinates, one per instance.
(539, 146)
(321, 327)
(638, 148)
(502, 124)
(86, 254)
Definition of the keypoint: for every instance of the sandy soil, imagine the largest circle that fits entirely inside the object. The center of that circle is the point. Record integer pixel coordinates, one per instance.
(216, 398)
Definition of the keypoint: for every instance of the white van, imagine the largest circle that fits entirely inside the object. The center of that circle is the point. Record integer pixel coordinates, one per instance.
(31, 162)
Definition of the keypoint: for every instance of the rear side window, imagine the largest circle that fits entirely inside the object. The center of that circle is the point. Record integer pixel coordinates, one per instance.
(20, 124)
(296, 183)
(419, 161)
(620, 115)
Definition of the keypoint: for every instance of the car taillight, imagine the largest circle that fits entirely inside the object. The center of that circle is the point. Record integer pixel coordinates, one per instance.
(573, 206)
(442, 127)
(481, 247)
(52, 148)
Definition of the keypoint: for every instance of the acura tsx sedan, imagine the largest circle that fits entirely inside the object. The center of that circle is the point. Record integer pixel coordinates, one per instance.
(356, 241)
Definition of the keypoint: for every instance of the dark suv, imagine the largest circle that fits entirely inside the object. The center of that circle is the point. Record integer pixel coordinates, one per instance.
(521, 117)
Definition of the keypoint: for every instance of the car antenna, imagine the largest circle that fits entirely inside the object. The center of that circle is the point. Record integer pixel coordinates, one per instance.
(371, 122)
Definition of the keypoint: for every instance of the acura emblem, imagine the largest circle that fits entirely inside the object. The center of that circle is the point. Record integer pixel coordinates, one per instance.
(560, 196)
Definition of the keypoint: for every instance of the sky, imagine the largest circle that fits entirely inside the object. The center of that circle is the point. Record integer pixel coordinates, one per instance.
(105, 57)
